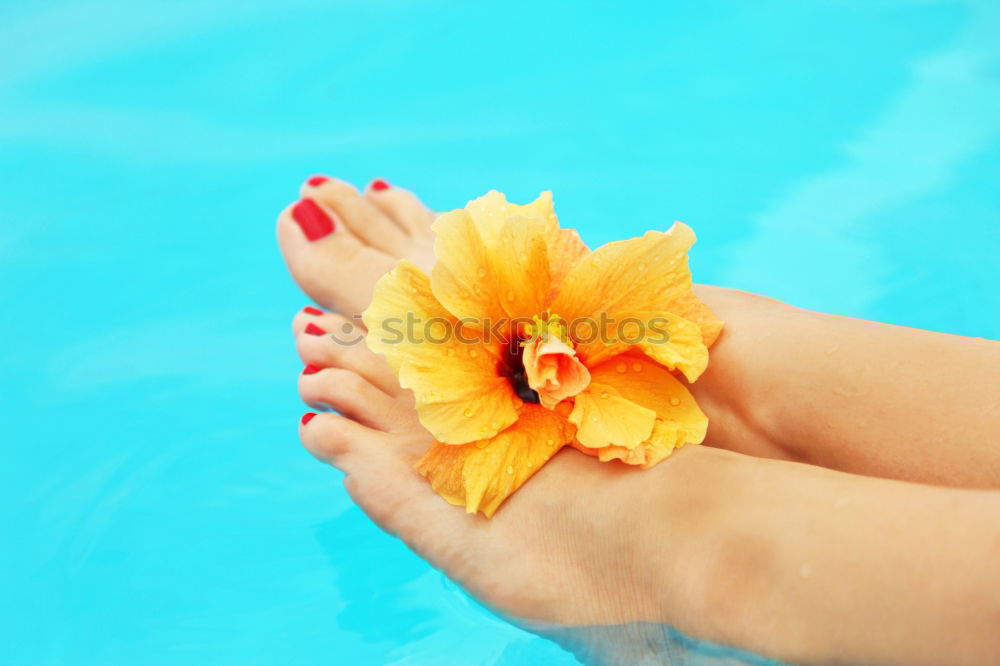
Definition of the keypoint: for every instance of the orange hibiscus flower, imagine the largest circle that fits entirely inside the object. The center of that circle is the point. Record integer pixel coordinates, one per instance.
(522, 341)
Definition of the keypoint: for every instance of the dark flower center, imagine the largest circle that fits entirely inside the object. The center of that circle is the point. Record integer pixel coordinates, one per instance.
(511, 366)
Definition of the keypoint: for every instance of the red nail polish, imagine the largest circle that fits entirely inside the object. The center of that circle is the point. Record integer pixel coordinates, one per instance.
(316, 181)
(310, 370)
(378, 185)
(313, 329)
(313, 311)
(315, 223)
(306, 418)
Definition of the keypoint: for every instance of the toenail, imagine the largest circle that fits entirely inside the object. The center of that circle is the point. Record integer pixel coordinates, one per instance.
(316, 181)
(310, 370)
(313, 329)
(315, 223)
(306, 418)
(313, 311)
(378, 185)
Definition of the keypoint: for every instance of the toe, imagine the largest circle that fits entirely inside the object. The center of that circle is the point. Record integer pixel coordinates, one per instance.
(334, 439)
(334, 267)
(330, 321)
(355, 397)
(402, 206)
(364, 219)
(332, 341)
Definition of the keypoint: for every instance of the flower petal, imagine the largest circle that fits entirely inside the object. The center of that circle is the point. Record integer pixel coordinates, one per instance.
(490, 211)
(460, 396)
(463, 279)
(642, 274)
(693, 309)
(481, 475)
(666, 338)
(565, 250)
(679, 420)
(521, 264)
(604, 417)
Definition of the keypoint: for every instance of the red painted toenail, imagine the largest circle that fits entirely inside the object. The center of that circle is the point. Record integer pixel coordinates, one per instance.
(306, 418)
(310, 370)
(313, 329)
(316, 181)
(313, 311)
(378, 185)
(314, 221)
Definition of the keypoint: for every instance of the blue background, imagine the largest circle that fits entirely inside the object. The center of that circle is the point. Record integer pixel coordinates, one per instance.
(156, 507)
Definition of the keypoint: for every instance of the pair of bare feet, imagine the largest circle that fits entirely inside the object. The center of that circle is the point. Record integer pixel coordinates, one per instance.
(554, 553)
(717, 544)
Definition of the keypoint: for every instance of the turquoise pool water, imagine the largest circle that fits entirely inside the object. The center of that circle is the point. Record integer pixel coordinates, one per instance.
(156, 507)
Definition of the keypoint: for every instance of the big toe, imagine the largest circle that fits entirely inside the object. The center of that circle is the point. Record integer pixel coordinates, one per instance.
(334, 267)
(338, 242)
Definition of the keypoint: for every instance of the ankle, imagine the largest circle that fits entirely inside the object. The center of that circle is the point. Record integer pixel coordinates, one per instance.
(731, 392)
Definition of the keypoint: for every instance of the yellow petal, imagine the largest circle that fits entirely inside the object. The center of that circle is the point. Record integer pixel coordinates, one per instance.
(666, 338)
(633, 456)
(521, 264)
(490, 211)
(642, 274)
(481, 475)
(693, 309)
(604, 417)
(679, 420)
(463, 278)
(460, 396)
(565, 250)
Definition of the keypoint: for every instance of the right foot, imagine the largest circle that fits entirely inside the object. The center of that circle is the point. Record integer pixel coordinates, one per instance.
(564, 551)
(338, 242)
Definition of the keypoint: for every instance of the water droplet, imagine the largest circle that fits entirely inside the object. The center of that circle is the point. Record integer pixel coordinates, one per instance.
(510, 469)
(481, 272)
(637, 367)
(467, 413)
(604, 394)
(550, 442)
(478, 290)
(622, 368)
(473, 353)
(675, 401)
(595, 418)
(464, 294)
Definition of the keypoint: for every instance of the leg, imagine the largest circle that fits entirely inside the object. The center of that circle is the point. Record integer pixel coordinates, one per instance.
(852, 395)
